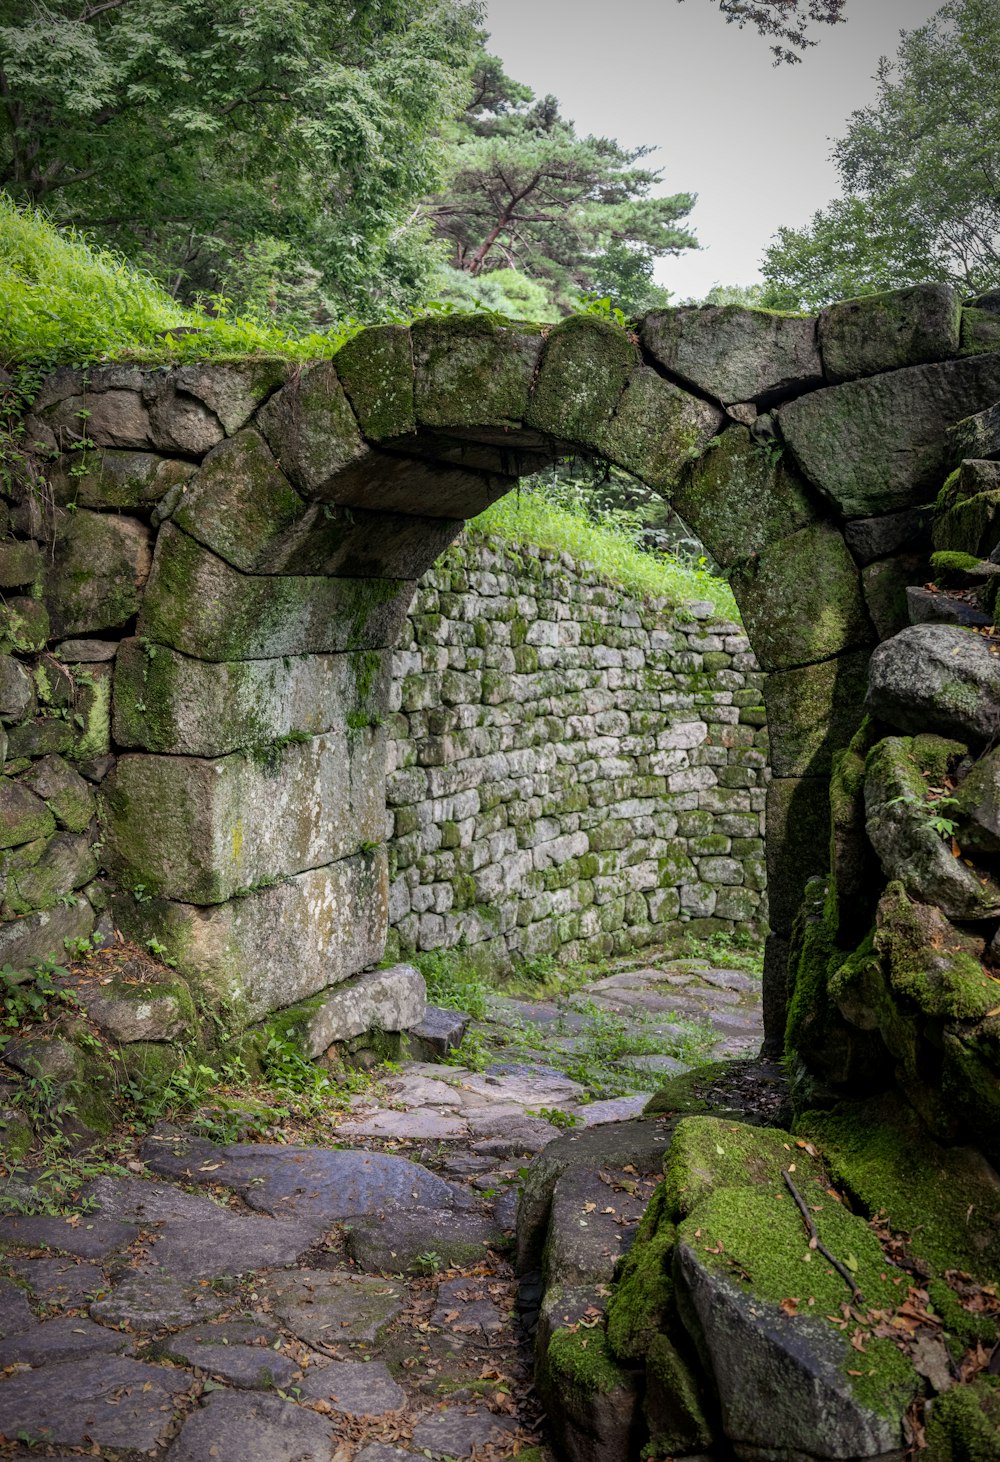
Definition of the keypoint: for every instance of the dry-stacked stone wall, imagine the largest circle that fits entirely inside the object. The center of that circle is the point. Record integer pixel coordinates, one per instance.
(571, 768)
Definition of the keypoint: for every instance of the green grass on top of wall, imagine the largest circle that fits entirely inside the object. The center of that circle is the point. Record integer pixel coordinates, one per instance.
(65, 301)
(529, 516)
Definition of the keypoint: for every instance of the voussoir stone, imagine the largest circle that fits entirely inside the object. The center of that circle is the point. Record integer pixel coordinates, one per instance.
(657, 428)
(326, 1307)
(376, 369)
(391, 999)
(311, 429)
(470, 371)
(735, 354)
(230, 1424)
(108, 1400)
(939, 678)
(880, 444)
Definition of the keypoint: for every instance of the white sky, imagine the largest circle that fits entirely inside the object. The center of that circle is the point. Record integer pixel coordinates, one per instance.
(753, 141)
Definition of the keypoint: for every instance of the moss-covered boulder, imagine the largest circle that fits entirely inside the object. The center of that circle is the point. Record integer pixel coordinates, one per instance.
(971, 526)
(937, 678)
(592, 1400)
(903, 782)
(885, 332)
(964, 1424)
(740, 495)
(976, 436)
(976, 806)
(39, 874)
(65, 793)
(117, 479)
(734, 353)
(100, 563)
(801, 599)
(311, 429)
(879, 445)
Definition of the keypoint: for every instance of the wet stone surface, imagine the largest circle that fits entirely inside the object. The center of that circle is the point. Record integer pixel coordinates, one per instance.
(355, 1302)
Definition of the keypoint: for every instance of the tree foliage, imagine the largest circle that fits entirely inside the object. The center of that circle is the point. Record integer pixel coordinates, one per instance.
(920, 169)
(789, 22)
(523, 192)
(268, 146)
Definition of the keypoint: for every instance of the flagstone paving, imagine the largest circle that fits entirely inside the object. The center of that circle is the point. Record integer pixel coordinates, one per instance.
(349, 1303)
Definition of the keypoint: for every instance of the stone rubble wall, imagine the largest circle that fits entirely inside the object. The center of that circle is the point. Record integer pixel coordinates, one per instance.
(570, 768)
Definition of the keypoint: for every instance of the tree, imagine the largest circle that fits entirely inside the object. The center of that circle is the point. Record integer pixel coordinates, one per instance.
(286, 141)
(920, 169)
(789, 21)
(524, 192)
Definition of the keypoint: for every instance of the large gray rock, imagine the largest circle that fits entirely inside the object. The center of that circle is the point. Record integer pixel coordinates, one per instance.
(277, 945)
(391, 999)
(935, 677)
(885, 332)
(240, 822)
(780, 1379)
(137, 1012)
(308, 1182)
(169, 702)
(353, 1387)
(152, 1300)
(657, 428)
(231, 1424)
(232, 390)
(68, 1337)
(880, 445)
(233, 1243)
(239, 504)
(394, 1242)
(311, 429)
(873, 538)
(735, 354)
(109, 1401)
(976, 436)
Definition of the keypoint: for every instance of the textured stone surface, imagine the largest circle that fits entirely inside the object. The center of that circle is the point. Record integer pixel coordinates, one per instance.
(355, 1388)
(392, 999)
(934, 677)
(68, 1337)
(329, 1307)
(735, 354)
(99, 566)
(152, 1300)
(108, 1400)
(263, 1427)
(460, 1430)
(885, 332)
(392, 1243)
(879, 445)
(812, 712)
(657, 429)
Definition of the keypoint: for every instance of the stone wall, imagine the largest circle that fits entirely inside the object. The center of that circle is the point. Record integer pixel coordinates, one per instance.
(570, 768)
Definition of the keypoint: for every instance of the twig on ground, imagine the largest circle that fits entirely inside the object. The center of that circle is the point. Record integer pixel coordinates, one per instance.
(815, 1243)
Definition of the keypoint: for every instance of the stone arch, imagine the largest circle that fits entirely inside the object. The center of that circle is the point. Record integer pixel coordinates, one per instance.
(244, 820)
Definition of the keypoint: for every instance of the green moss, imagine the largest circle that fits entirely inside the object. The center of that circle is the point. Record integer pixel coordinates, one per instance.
(964, 1424)
(968, 1326)
(376, 370)
(674, 1408)
(584, 370)
(958, 569)
(764, 1248)
(582, 1361)
(949, 493)
(943, 1198)
(643, 1293)
(930, 961)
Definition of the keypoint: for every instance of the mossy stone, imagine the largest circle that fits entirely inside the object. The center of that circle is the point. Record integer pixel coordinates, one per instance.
(733, 353)
(708, 1153)
(801, 599)
(376, 368)
(642, 1300)
(311, 429)
(741, 495)
(66, 862)
(674, 1406)
(980, 332)
(119, 479)
(891, 330)
(471, 371)
(885, 583)
(25, 625)
(657, 429)
(798, 840)
(964, 1424)
(239, 504)
(65, 793)
(970, 526)
(813, 712)
(23, 816)
(585, 368)
(930, 961)
(21, 563)
(100, 562)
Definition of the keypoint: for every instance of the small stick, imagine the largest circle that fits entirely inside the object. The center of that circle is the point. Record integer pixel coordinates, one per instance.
(815, 1242)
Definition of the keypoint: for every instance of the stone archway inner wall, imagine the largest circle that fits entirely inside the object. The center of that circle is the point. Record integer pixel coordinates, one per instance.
(201, 595)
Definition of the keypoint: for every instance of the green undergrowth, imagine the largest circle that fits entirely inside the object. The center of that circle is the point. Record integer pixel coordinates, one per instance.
(530, 516)
(65, 301)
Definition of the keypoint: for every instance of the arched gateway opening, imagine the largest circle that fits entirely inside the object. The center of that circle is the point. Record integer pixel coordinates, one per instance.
(297, 508)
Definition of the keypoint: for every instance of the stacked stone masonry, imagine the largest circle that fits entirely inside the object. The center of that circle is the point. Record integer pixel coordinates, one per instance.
(570, 769)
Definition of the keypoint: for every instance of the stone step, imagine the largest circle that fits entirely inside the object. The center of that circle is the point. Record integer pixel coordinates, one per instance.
(927, 607)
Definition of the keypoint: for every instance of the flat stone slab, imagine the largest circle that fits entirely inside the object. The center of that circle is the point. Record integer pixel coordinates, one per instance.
(458, 1432)
(140, 1201)
(233, 1243)
(239, 1351)
(393, 1242)
(87, 1238)
(419, 1125)
(331, 1307)
(16, 1314)
(152, 1300)
(356, 1388)
(264, 1428)
(305, 1181)
(465, 1307)
(64, 1338)
(109, 1400)
(615, 1109)
(64, 1282)
(379, 1452)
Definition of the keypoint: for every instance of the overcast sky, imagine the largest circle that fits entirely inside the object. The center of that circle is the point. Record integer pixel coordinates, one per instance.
(753, 141)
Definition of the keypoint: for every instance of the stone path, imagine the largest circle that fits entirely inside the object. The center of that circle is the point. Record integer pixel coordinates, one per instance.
(354, 1303)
